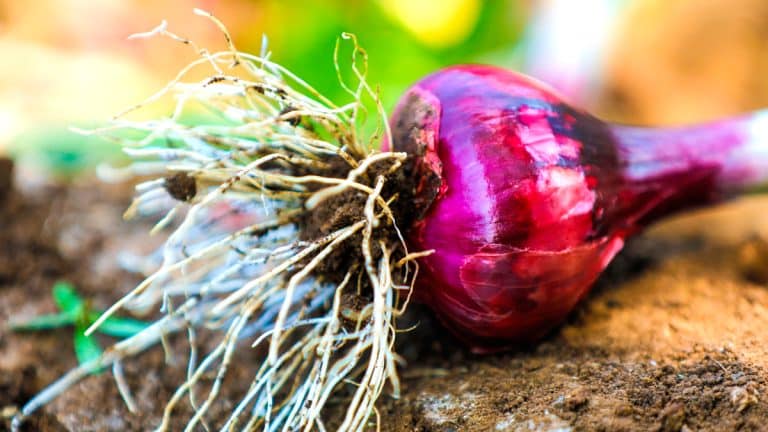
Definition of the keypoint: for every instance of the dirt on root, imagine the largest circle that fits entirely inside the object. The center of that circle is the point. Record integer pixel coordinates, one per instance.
(181, 186)
(671, 339)
(348, 207)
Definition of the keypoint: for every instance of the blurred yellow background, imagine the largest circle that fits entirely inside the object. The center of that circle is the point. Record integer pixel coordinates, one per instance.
(68, 62)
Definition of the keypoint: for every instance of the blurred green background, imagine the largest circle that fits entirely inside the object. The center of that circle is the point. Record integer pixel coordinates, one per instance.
(68, 62)
(75, 67)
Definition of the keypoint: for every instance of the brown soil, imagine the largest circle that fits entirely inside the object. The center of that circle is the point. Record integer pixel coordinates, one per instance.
(671, 338)
(347, 208)
(181, 186)
(76, 233)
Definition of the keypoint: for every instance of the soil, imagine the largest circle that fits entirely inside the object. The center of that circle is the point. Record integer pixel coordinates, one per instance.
(346, 208)
(671, 338)
(181, 186)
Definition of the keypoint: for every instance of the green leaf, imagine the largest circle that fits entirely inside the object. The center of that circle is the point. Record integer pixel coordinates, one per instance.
(86, 347)
(120, 327)
(44, 322)
(67, 299)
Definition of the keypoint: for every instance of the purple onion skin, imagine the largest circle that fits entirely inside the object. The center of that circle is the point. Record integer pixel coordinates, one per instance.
(532, 198)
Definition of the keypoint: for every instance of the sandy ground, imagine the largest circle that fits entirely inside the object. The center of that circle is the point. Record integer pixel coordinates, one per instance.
(671, 338)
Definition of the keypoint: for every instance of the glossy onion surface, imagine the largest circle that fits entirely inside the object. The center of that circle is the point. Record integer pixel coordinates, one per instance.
(525, 200)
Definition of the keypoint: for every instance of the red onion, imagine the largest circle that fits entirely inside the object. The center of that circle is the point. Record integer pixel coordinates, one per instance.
(532, 198)
(290, 234)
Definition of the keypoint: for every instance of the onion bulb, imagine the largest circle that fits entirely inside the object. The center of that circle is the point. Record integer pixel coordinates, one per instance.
(529, 198)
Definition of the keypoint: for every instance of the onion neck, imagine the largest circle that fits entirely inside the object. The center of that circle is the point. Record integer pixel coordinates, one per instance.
(670, 169)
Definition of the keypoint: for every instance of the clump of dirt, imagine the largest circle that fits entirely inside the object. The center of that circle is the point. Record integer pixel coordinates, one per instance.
(181, 186)
(337, 212)
(347, 208)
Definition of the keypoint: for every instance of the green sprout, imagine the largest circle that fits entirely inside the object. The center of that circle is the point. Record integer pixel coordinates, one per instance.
(76, 311)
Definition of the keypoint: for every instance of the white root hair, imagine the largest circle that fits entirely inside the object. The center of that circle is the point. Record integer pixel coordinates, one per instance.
(236, 264)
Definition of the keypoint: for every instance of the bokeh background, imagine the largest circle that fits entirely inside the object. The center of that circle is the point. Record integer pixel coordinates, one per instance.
(68, 62)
